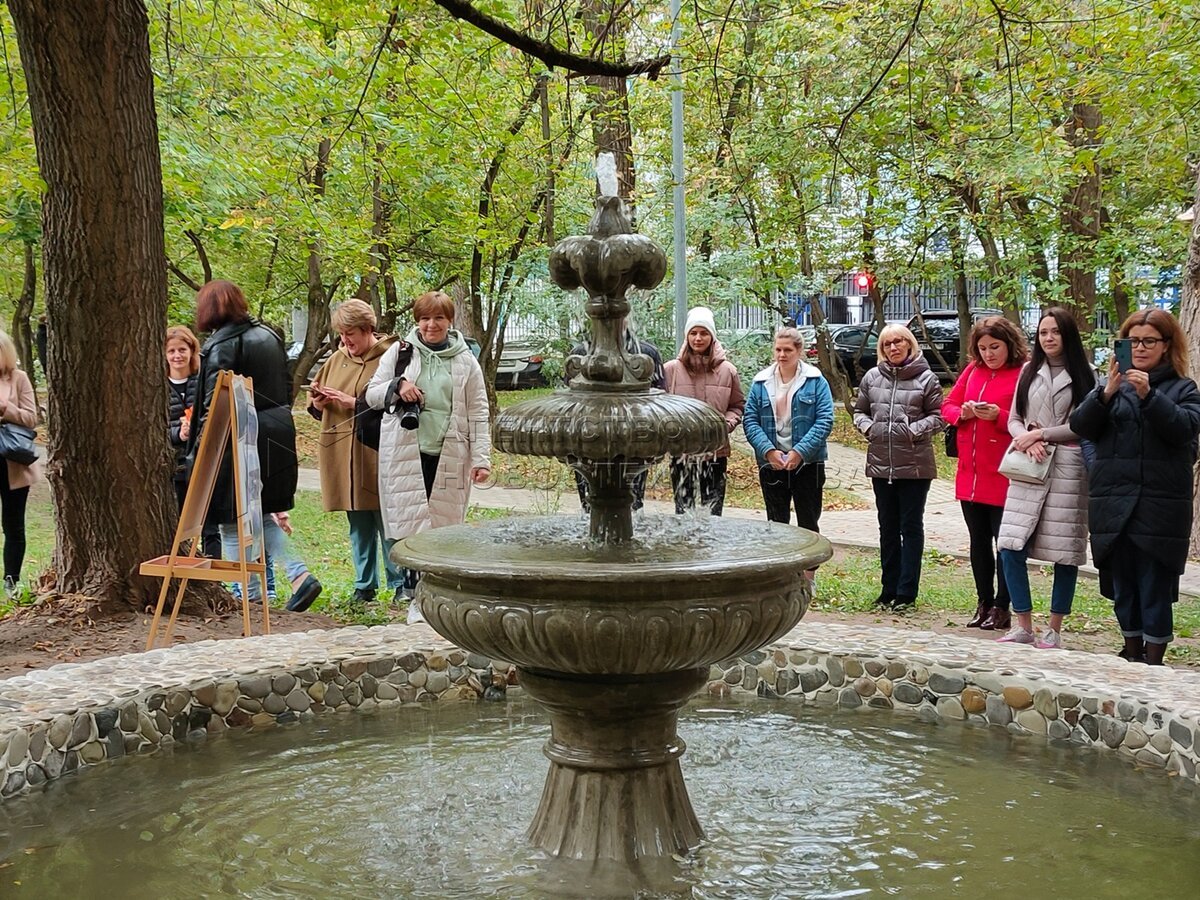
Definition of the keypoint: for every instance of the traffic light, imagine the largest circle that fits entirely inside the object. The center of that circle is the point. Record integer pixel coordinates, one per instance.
(863, 281)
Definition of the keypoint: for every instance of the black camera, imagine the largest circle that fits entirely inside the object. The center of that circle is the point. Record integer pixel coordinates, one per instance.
(410, 415)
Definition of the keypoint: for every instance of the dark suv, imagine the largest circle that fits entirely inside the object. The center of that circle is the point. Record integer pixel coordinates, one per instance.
(941, 333)
(846, 341)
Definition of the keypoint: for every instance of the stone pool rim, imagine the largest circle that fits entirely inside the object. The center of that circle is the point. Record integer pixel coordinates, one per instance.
(70, 717)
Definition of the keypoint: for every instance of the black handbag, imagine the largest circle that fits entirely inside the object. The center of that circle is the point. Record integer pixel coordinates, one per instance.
(16, 443)
(951, 440)
(368, 421)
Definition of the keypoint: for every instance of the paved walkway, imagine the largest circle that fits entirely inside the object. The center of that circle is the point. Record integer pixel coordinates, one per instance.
(945, 530)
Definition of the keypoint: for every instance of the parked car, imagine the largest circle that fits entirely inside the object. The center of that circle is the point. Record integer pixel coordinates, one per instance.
(940, 337)
(520, 366)
(847, 339)
(293, 356)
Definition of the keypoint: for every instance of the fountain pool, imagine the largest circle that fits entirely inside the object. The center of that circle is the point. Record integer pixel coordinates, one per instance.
(798, 801)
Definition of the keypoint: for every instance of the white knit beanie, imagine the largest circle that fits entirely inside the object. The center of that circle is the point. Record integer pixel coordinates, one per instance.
(702, 316)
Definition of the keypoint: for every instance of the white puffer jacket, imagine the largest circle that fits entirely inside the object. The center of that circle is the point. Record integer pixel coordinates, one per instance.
(1051, 518)
(468, 445)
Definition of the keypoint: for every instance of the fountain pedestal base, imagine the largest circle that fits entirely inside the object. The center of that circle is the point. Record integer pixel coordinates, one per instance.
(615, 790)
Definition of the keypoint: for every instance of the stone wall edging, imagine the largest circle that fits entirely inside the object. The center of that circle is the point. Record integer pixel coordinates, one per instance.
(67, 718)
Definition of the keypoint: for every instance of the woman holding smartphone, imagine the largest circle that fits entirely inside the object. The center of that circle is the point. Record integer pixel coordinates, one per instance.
(1144, 421)
(1047, 521)
(979, 404)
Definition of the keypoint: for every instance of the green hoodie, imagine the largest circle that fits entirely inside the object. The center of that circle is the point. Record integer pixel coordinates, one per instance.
(437, 384)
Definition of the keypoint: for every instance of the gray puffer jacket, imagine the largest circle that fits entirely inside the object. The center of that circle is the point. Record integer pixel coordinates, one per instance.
(899, 409)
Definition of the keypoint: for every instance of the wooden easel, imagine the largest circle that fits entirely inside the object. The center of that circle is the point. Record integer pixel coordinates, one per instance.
(232, 417)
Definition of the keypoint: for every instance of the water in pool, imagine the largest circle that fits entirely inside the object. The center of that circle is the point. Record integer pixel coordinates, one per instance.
(797, 801)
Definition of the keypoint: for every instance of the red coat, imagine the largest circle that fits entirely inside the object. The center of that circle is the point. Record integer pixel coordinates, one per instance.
(981, 444)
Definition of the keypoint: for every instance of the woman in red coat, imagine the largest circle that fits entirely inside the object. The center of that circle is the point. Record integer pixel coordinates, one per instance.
(978, 404)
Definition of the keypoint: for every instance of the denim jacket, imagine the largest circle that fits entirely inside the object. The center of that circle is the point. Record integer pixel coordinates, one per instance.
(812, 414)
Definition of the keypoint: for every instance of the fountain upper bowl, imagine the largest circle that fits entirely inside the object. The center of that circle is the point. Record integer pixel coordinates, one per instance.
(684, 593)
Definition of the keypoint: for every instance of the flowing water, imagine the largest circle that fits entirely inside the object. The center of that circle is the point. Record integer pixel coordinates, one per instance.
(797, 801)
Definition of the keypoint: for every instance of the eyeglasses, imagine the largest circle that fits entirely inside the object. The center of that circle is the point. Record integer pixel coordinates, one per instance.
(897, 342)
(1148, 343)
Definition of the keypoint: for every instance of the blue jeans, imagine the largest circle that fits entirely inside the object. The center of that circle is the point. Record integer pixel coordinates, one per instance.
(1016, 575)
(1143, 592)
(366, 534)
(278, 549)
(901, 508)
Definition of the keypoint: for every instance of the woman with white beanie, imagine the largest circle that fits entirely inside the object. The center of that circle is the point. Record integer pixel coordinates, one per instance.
(702, 372)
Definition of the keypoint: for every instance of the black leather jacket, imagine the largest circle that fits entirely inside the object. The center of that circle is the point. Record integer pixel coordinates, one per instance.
(251, 349)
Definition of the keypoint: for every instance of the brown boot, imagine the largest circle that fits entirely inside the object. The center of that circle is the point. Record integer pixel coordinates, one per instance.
(1155, 654)
(998, 619)
(981, 613)
(1134, 650)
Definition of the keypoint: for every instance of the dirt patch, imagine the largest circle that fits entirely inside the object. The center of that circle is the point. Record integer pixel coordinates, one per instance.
(73, 629)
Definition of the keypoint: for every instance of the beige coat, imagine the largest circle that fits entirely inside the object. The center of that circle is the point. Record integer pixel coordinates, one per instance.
(20, 408)
(349, 469)
(468, 445)
(719, 388)
(1051, 518)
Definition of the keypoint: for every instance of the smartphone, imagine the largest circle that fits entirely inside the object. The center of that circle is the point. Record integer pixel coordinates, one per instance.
(1123, 351)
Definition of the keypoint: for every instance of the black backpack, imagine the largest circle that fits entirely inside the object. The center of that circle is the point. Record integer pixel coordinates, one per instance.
(367, 421)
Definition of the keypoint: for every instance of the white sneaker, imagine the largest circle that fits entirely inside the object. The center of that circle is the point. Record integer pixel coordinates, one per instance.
(1016, 635)
(1050, 640)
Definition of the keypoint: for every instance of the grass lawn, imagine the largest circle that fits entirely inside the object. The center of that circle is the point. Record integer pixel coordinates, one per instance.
(847, 585)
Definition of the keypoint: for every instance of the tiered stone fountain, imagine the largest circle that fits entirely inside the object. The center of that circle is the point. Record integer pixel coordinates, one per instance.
(612, 630)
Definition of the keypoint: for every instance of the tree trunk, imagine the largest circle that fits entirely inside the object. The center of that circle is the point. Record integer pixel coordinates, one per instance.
(22, 333)
(1189, 318)
(606, 24)
(962, 300)
(316, 335)
(91, 97)
(1080, 218)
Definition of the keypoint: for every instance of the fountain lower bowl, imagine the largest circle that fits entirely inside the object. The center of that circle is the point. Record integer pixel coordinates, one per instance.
(684, 594)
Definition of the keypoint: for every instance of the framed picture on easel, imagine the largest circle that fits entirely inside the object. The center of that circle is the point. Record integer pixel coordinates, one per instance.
(231, 418)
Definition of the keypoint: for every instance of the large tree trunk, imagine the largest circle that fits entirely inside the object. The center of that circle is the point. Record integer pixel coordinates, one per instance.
(1189, 318)
(91, 97)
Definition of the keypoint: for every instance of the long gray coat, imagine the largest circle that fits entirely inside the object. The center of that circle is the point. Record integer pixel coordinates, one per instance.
(899, 409)
(1051, 518)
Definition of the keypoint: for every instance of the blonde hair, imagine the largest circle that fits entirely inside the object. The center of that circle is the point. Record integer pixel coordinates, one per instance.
(353, 314)
(892, 331)
(9, 362)
(788, 333)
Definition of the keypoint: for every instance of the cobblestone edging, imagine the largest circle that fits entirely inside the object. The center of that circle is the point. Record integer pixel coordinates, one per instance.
(59, 720)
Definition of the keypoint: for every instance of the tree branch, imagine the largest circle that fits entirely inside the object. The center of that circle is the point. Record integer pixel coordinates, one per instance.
(205, 266)
(182, 276)
(547, 52)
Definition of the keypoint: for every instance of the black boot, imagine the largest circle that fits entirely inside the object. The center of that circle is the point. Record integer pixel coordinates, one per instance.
(981, 613)
(1134, 650)
(885, 600)
(903, 603)
(999, 618)
(1155, 654)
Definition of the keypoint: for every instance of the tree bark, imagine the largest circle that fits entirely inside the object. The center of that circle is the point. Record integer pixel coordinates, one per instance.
(1080, 218)
(316, 335)
(1189, 319)
(611, 130)
(91, 98)
(22, 333)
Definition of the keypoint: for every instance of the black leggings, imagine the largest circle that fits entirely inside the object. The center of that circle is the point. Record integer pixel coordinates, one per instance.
(12, 521)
